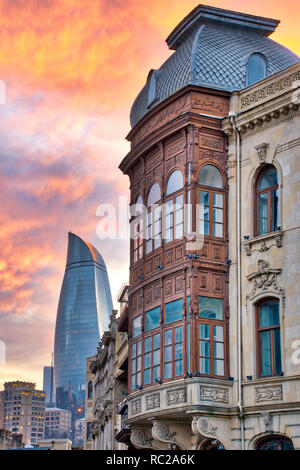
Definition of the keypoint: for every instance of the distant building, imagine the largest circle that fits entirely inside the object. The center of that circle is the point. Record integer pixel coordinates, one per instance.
(79, 432)
(109, 369)
(89, 405)
(83, 315)
(8, 440)
(55, 444)
(23, 410)
(48, 385)
(58, 423)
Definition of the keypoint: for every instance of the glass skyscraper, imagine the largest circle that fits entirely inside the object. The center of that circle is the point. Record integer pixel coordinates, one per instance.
(85, 305)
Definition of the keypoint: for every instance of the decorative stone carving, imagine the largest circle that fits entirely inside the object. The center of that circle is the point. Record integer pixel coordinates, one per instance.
(136, 406)
(268, 421)
(262, 152)
(268, 393)
(152, 401)
(216, 394)
(160, 432)
(263, 245)
(201, 427)
(265, 280)
(175, 396)
(140, 439)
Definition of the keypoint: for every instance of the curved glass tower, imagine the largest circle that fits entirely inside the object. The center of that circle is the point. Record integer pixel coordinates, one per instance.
(84, 308)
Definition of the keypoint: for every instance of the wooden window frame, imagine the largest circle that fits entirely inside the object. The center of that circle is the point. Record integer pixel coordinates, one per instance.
(135, 358)
(151, 210)
(258, 330)
(173, 326)
(172, 197)
(151, 351)
(212, 190)
(211, 323)
(257, 193)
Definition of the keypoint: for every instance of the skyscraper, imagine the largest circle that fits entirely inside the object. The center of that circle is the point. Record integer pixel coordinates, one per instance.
(48, 384)
(82, 317)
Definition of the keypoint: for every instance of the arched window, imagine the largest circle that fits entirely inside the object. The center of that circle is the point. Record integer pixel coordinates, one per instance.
(153, 223)
(211, 202)
(266, 201)
(174, 207)
(256, 68)
(138, 231)
(90, 389)
(275, 443)
(268, 338)
(175, 182)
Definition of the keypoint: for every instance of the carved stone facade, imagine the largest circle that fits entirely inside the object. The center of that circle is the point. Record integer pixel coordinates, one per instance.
(238, 133)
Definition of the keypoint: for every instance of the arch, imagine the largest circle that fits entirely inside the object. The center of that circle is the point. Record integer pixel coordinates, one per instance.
(273, 442)
(90, 389)
(154, 194)
(256, 68)
(210, 175)
(175, 182)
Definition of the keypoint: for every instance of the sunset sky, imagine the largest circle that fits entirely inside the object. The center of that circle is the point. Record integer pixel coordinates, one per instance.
(72, 69)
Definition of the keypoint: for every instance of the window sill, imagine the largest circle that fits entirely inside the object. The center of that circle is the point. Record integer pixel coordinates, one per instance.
(259, 243)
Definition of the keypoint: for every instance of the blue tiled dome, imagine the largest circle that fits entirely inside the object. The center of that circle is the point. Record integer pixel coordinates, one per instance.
(212, 48)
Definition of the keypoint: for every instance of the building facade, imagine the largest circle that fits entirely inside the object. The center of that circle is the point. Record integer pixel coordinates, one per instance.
(82, 317)
(89, 404)
(213, 261)
(58, 423)
(9, 440)
(24, 410)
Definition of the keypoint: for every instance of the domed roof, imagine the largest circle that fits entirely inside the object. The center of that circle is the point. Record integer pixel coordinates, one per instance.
(212, 48)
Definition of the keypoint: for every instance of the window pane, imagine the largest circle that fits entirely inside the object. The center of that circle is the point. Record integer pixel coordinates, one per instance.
(156, 357)
(132, 382)
(138, 379)
(168, 337)
(154, 194)
(137, 326)
(147, 360)
(218, 333)
(133, 368)
(274, 210)
(168, 370)
(218, 200)
(152, 318)
(188, 347)
(204, 348)
(210, 176)
(265, 345)
(178, 368)
(174, 311)
(178, 334)
(218, 367)
(147, 346)
(204, 198)
(256, 69)
(210, 308)
(269, 314)
(139, 348)
(156, 341)
(277, 351)
(168, 353)
(218, 230)
(263, 213)
(218, 215)
(204, 366)
(188, 305)
(268, 178)
(204, 331)
(147, 376)
(156, 372)
(219, 350)
(178, 351)
(178, 231)
(133, 350)
(175, 182)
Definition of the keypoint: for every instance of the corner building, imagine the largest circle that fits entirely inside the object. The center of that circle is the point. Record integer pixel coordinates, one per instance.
(188, 385)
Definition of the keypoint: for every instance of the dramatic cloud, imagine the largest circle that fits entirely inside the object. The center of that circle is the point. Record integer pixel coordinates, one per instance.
(72, 69)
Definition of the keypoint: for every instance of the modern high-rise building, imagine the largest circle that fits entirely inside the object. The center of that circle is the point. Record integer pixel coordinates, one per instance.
(85, 305)
(24, 410)
(48, 385)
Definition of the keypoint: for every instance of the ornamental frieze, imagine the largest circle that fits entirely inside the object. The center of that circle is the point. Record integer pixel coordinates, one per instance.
(152, 401)
(175, 396)
(211, 155)
(210, 103)
(211, 142)
(215, 394)
(136, 406)
(268, 393)
(174, 149)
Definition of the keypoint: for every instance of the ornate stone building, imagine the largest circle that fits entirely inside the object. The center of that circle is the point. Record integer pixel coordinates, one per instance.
(213, 300)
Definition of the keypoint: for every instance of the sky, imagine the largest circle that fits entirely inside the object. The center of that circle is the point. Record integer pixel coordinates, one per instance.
(72, 69)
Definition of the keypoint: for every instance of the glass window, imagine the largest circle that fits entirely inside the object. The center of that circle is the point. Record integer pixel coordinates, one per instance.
(151, 359)
(275, 443)
(267, 201)
(211, 349)
(90, 389)
(153, 229)
(136, 364)
(173, 311)
(152, 319)
(211, 214)
(89, 431)
(269, 338)
(174, 218)
(256, 69)
(210, 176)
(173, 353)
(175, 182)
(154, 195)
(210, 308)
(137, 326)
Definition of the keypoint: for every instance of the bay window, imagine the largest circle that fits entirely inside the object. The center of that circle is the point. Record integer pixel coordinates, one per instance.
(211, 202)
